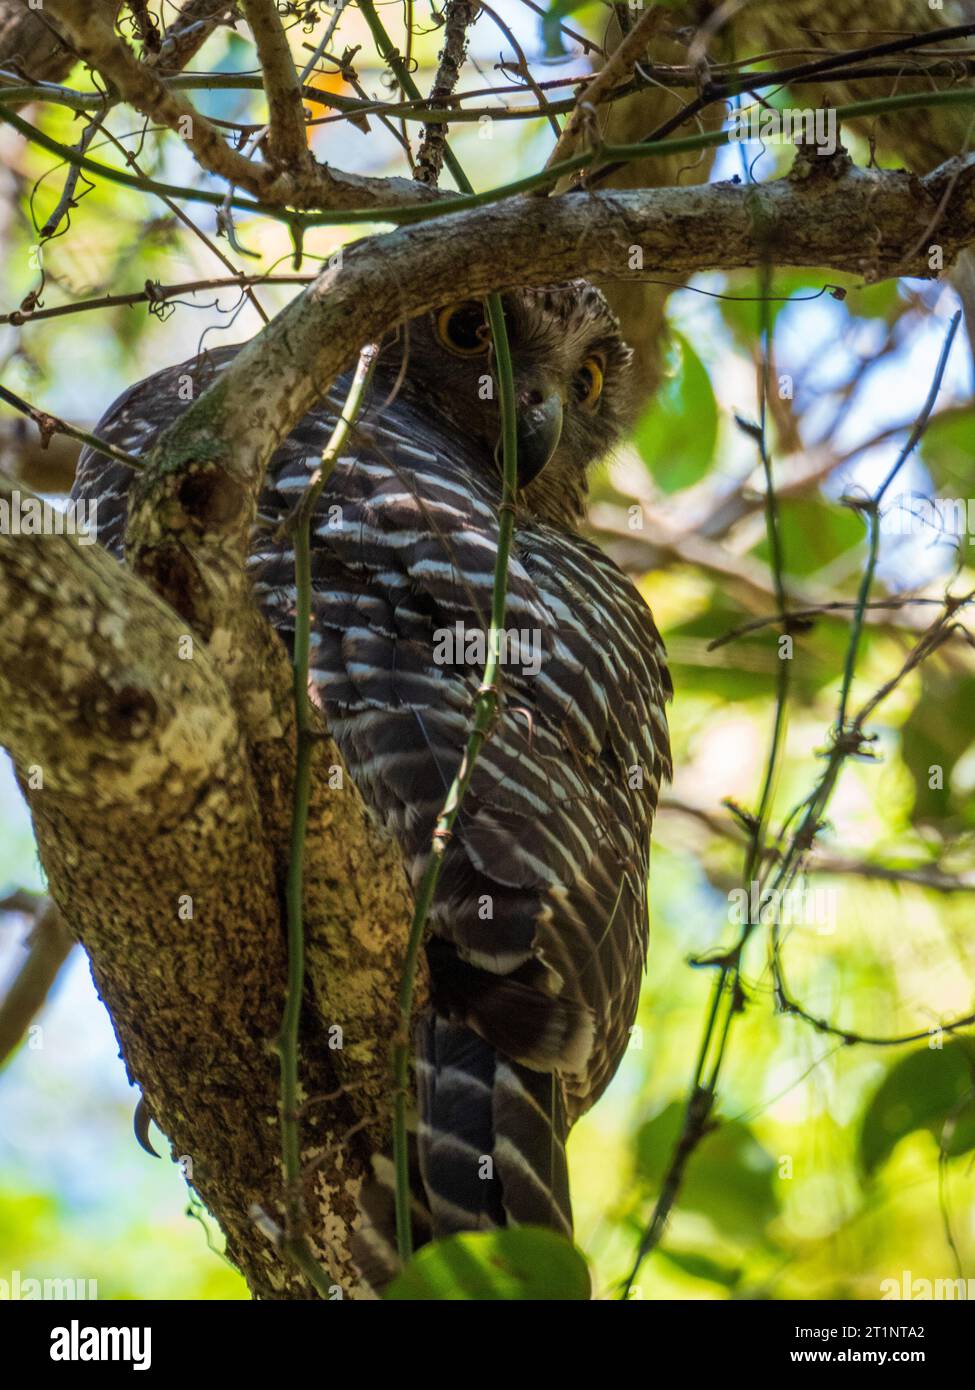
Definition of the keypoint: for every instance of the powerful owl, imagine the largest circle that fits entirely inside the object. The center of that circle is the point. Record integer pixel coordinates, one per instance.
(538, 931)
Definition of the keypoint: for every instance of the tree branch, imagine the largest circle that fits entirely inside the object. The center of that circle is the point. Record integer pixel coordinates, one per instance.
(108, 732)
(459, 15)
(104, 706)
(831, 214)
(48, 945)
(287, 141)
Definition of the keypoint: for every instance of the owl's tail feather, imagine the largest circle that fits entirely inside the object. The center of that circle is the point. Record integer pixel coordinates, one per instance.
(374, 1242)
(489, 1151)
(491, 1136)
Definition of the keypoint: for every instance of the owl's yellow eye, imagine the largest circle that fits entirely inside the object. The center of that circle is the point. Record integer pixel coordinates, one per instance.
(588, 385)
(462, 328)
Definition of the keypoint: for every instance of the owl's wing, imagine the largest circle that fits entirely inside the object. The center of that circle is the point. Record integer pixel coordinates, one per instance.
(540, 913)
(132, 423)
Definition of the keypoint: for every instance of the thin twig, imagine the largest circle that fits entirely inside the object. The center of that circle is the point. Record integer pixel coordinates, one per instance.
(154, 294)
(51, 424)
(67, 199)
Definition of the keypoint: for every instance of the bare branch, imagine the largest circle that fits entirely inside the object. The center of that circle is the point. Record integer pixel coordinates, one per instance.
(287, 141)
(48, 945)
(459, 15)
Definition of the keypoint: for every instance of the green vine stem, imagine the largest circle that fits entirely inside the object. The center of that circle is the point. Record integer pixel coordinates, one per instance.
(295, 1245)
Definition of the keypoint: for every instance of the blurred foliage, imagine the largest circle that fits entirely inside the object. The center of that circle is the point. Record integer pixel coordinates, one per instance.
(832, 1167)
(730, 1181)
(931, 1089)
(45, 1238)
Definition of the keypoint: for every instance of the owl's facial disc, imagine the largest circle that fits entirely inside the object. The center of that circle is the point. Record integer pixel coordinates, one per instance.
(571, 384)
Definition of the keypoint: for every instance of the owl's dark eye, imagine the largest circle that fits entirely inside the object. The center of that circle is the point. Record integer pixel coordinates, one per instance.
(462, 328)
(588, 383)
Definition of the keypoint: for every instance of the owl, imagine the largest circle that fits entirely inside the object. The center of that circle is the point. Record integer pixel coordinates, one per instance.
(537, 935)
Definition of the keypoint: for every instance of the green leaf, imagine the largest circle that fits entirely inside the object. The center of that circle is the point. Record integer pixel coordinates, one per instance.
(936, 735)
(947, 447)
(928, 1089)
(520, 1263)
(702, 1267)
(814, 533)
(880, 301)
(730, 1177)
(677, 434)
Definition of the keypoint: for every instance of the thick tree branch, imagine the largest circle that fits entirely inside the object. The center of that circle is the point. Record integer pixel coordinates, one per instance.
(109, 703)
(108, 732)
(826, 213)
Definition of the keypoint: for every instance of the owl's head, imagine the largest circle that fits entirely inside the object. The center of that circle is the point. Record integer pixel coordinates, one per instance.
(572, 377)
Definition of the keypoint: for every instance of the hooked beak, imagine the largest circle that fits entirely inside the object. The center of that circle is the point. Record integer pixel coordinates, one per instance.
(539, 432)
